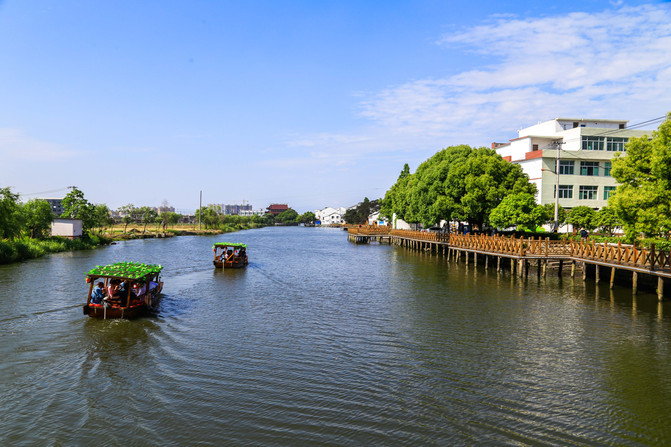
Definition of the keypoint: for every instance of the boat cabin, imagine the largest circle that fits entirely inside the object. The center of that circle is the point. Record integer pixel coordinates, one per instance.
(230, 255)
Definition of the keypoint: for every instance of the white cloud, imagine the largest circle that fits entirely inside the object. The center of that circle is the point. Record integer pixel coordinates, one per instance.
(613, 64)
(15, 145)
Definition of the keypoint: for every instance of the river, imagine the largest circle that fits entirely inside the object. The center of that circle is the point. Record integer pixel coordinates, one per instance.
(324, 342)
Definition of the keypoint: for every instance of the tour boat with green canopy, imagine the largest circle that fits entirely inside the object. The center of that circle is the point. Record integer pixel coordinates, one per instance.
(230, 255)
(123, 290)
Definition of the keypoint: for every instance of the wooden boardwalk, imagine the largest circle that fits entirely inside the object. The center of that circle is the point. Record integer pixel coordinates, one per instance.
(521, 252)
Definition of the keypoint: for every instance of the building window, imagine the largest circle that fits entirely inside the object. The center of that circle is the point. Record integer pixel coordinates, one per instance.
(566, 167)
(606, 169)
(587, 192)
(534, 147)
(608, 191)
(565, 191)
(589, 168)
(616, 144)
(592, 143)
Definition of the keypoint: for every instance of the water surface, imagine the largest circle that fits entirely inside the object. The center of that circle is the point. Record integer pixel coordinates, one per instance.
(324, 342)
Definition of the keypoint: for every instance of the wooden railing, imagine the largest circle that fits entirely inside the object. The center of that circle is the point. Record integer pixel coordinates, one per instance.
(369, 230)
(422, 235)
(613, 254)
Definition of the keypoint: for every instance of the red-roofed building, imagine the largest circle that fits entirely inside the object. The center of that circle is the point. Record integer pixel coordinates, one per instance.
(277, 208)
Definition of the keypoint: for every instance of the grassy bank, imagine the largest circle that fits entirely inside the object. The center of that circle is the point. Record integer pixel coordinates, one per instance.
(22, 249)
(119, 232)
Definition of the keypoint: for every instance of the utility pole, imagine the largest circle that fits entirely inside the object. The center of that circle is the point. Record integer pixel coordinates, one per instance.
(200, 209)
(557, 145)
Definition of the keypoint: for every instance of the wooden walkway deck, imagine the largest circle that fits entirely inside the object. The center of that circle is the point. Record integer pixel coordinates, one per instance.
(520, 252)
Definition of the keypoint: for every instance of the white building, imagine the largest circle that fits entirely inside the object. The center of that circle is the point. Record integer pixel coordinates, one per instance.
(585, 148)
(71, 228)
(330, 216)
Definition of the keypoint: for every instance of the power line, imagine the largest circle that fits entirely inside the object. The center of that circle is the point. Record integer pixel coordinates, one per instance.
(44, 192)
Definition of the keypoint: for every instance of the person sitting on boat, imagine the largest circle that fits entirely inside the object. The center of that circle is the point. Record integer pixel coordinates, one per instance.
(98, 293)
(229, 253)
(114, 292)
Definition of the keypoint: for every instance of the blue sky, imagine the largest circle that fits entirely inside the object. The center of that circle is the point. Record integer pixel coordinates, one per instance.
(310, 103)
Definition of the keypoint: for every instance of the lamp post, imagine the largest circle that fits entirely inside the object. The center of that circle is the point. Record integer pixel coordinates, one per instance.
(557, 145)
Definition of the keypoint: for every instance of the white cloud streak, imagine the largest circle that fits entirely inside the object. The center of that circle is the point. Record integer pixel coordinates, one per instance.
(613, 64)
(15, 145)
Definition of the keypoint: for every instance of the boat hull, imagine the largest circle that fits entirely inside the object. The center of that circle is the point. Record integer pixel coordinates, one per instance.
(237, 264)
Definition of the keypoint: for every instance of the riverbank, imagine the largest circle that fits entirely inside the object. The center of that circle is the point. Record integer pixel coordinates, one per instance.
(23, 249)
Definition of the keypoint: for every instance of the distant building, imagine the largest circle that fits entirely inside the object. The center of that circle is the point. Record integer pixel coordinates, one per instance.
(277, 208)
(584, 147)
(165, 209)
(330, 216)
(70, 228)
(250, 212)
(56, 206)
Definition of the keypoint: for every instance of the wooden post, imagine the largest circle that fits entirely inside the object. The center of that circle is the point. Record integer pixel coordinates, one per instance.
(512, 267)
(572, 268)
(486, 262)
(634, 283)
(475, 259)
(561, 266)
(597, 276)
(660, 288)
(467, 258)
(584, 271)
(498, 263)
(652, 256)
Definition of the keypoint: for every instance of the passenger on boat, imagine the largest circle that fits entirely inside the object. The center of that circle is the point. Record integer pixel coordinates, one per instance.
(98, 293)
(114, 292)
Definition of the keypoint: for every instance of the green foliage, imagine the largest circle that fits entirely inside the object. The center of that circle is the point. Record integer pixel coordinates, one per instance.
(360, 214)
(457, 183)
(75, 206)
(11, 215)
(130, 270)
(101, 216)
(287, 217)
(642, 200)
(22, 249)
(606, 219)
(519, 210)
(582, 217)
(307, 218)
(38, 217)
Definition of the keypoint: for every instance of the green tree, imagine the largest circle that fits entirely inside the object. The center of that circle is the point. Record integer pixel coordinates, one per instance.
(642, 199)
(518, 210)
(582, 217)
(38, 217)
(147, 216)
(75, 206)
(395, 200)
(606, 219)
(169, 218)
(352, 217)
(129, 213)
(287, 217)
(457, 183)
(307, 218)
(102, 217)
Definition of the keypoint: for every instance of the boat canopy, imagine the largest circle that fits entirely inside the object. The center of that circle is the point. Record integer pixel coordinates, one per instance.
(229, 244)
(126, 270)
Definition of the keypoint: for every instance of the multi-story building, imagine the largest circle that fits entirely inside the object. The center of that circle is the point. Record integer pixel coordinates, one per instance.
(583, 150)
(330, 216)
(56, 206)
